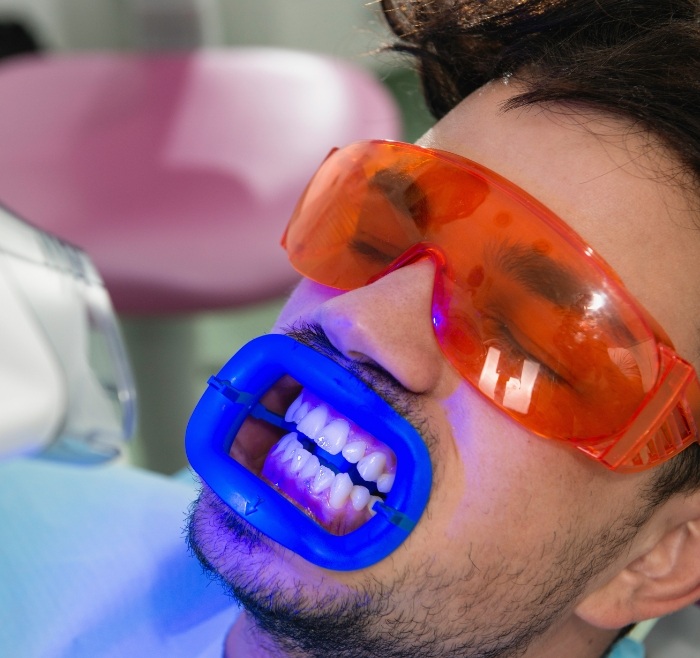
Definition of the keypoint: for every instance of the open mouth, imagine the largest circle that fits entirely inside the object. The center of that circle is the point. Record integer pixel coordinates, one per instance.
(309, 455)
(323, 463)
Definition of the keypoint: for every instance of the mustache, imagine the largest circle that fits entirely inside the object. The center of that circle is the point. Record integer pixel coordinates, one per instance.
(383, 383)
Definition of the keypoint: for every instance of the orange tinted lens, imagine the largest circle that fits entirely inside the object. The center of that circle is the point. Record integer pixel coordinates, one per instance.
(331, 238)
(524, 310)
(366, 206)
(538, 327)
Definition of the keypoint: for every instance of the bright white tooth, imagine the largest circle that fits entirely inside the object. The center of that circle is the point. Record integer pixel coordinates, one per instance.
(359, 496)
(289, 450)
(311, 468)
(354, 451)
(323, 480)
(333, 436)
(340, 490)
(313, 422)
(370, 504)
(301, 411)
(289, 416)
(284, 442)
(299, 459)
(371, 466)
(385, 481)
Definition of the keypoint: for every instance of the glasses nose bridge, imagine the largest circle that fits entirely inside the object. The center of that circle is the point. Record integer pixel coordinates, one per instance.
(416, 253)
(413, 254)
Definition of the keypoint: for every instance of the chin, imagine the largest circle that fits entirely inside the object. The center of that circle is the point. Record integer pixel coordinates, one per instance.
(236, 553)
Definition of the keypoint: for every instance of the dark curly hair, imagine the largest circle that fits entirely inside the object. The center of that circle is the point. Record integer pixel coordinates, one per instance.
(635, 59)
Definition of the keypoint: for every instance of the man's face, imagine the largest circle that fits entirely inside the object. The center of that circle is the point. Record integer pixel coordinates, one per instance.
(518, 529)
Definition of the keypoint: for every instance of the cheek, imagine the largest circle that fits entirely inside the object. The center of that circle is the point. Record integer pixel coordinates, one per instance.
(303, 303)
(502, 488)
(491, 467)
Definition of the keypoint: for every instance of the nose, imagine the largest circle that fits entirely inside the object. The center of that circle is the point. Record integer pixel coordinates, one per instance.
(388, 323)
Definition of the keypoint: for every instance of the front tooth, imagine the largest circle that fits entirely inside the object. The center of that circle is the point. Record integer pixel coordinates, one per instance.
(289, 416)
(301, 411)
(371, 466)
(359, 496)
(323, 480)
(283, 443)
(385, 481)
(334, 436)
(313, 422)
(299, 459)
(340, 490)
(354, 451)
(291, 447)
(311, 468)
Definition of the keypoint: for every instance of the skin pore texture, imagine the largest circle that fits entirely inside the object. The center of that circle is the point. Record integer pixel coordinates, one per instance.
(527, 548)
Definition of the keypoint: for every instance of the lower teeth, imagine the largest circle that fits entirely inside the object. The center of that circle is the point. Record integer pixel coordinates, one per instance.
(306, 466)
(340, 490)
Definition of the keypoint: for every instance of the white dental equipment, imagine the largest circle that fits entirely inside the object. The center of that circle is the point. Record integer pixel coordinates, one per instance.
(66, 389)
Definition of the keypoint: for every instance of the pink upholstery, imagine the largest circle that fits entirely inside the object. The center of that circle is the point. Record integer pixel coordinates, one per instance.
(178, 172)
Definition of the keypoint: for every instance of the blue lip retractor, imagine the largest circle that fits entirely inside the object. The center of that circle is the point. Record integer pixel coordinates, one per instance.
(234, 394)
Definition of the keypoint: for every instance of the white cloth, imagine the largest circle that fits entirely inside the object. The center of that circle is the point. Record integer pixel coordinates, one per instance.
(93, 564)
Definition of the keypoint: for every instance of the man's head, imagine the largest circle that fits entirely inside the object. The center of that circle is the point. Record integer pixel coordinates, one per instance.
(634, 64)
(527, 546)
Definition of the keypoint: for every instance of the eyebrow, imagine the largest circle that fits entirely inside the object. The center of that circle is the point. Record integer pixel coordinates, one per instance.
(403, 192)
(539, 273)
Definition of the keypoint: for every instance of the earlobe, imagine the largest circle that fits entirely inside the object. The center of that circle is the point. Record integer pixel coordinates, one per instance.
(664, 579)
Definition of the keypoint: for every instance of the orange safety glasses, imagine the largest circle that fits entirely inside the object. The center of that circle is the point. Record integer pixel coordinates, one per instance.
(522, 307)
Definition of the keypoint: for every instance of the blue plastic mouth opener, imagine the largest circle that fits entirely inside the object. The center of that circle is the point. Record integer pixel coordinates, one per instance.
(234, 395)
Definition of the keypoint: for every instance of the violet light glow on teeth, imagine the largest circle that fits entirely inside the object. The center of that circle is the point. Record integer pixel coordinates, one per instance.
(340, 494)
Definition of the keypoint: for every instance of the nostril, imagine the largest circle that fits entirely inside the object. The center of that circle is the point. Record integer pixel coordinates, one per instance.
(388, 325)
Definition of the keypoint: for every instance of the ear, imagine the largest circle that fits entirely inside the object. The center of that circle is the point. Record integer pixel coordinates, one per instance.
(663, 579)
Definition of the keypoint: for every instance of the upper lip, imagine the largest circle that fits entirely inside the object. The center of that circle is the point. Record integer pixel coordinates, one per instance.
(372, 375)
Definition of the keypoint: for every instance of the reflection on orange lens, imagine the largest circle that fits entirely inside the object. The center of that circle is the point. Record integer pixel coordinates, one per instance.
(522, 307)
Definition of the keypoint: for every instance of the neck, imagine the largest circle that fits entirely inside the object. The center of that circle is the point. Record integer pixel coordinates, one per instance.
(245, 641)
(575, 639)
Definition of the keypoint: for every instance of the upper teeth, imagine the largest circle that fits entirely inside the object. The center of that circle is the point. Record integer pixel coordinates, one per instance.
(354, 451)
(291, 412)
(333, 435)
(313, 422)
(385, 481)
(371, 466)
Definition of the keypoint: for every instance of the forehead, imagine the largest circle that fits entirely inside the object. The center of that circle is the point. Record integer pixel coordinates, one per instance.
(608, 181)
